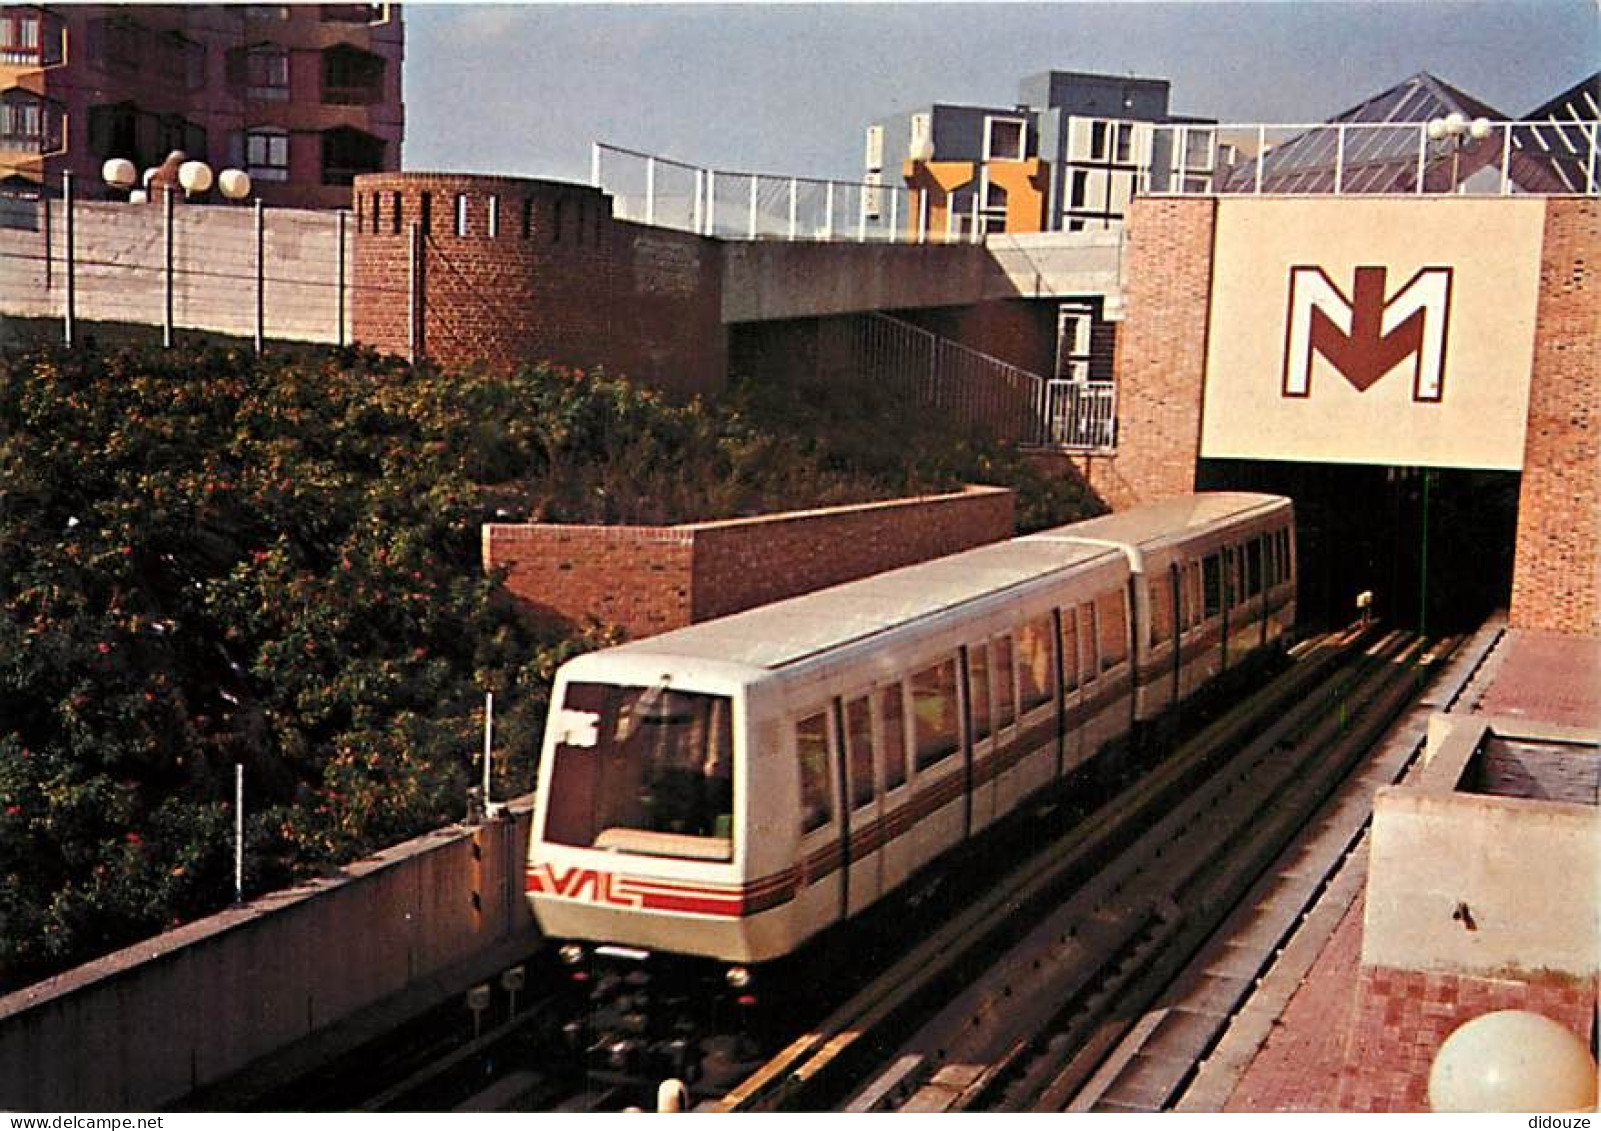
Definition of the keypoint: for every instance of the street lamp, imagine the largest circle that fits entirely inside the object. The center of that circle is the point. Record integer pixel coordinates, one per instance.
(1455, 131)
(234, 184)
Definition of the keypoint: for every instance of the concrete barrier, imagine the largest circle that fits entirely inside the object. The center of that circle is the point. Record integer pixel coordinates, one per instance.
(140, 1028)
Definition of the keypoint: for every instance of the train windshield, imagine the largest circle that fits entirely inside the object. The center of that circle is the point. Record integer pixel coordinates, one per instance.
(645, 770)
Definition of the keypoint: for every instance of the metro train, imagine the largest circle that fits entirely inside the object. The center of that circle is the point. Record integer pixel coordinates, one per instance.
(729, 790)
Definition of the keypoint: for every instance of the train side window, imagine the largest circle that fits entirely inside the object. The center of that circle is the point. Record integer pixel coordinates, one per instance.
(1069, 650)
(1034, 663)
(892, 718)
(811, 751)
(1005, 683)
(1286, 555)
(1088, 635)
(1270, 559)
(1161, 601)
(934, 713)
(859, 749)
(1212, 585)
(978, 683)
(1113, 623)
(1197, 602)
(1253, 567)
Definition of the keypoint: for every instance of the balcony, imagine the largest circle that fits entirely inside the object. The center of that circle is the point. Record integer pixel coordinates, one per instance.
(352, 77)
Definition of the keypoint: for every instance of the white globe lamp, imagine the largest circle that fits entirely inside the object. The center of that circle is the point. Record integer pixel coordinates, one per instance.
(119, 173)
(234, 183)
(1512, 1060)
(195, 177)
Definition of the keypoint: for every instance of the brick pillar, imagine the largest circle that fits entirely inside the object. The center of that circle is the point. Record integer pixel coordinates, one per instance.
(1557, 571)
(1160, 360)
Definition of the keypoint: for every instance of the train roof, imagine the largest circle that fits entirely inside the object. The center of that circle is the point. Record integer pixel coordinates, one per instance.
(1167, 520)
(786, 632)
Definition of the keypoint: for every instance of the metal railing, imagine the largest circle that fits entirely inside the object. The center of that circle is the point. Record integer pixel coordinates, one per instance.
(979, 391)
(732, 205)
(1365, 158)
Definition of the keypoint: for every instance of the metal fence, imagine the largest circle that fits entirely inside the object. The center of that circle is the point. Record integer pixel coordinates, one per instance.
(245, 271)
(648, 189)
(1365, 158)
(982, 392)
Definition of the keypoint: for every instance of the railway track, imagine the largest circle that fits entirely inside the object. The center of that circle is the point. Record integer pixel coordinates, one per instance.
(1065, 977)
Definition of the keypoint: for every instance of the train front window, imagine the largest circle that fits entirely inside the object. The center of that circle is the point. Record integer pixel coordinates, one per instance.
(645, 770)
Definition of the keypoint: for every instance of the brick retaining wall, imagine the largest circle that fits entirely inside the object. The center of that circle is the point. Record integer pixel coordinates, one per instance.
(648, 579)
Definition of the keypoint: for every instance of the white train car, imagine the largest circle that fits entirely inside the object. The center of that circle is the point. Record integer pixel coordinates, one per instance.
(731, 789)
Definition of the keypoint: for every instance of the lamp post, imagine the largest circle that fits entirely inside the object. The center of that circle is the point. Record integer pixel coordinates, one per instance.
(1454, 132)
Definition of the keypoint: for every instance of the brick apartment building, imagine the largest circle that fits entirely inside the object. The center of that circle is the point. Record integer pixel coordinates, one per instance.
(304, 97)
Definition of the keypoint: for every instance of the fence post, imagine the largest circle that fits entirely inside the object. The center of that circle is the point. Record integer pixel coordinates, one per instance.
(1589, 172)
(711, 202)
(861, 214)
(922, 215)
(167, 203)
(1261, 156)
(594, 164)
(977, 235)
(339, 329)
(1339, 158)
(753, 206)
(894, 213)
(1423, 153)
(1506, 159)
(794, 207)
(70, 321)
(238, 832)
(700, 211)
(261, 276)
(650, 190)
(828, 211)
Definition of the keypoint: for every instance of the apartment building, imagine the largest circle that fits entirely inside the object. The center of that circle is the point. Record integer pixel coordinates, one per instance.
(304, 97)
(1069, 155)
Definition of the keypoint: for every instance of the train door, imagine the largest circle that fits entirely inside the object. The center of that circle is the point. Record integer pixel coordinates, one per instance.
(1072, 693)
(863, 805)
(981, 736)
(820, 879)
(898, 856)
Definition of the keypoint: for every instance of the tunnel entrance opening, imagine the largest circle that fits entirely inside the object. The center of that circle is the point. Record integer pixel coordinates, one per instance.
(1435, 541)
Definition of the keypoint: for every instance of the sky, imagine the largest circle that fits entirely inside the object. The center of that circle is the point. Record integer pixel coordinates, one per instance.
(789, 88)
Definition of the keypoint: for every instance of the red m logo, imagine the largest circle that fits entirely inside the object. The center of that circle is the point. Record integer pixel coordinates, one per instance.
(1366, 336)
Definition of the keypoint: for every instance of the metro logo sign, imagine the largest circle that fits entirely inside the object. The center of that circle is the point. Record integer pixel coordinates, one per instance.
(1365, 336)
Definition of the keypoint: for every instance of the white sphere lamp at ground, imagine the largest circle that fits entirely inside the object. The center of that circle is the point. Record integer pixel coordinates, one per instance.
(234, 183)
(1512, 1060)
(195, 177)
(119, 173)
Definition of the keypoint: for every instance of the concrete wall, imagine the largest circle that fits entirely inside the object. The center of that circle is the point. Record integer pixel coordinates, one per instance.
(146, 1025)
(650, 579)
(772, 280)
(1527, 870)
(121, 275)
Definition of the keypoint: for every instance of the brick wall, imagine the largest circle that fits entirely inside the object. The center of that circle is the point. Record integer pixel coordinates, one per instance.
(1021, 332)
(650, 579)
(558, 280)
(1402, 1017)
(1556, 579)
(1160, 359)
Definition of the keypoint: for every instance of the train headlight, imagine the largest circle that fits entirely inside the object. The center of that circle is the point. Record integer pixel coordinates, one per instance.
(571, 954)
(738, 977)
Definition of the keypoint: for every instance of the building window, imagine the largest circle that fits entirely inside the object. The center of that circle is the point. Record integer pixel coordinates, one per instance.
(1005, 139)
(351, 77)
(267, 73)
(114, 42)
(461, 214)
(174, 132)
(30, 123)
(1098, 141)
(494, 217)
(1080, 189)
(352, 13)
(19, 36)
(1125, 143)
(347, 153)
(114, 132)
(267, 154)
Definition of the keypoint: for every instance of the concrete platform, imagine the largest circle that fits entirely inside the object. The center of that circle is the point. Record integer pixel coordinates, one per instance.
(1302, 1035)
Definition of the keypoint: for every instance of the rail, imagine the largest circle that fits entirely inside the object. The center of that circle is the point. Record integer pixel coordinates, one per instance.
(982, 392)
